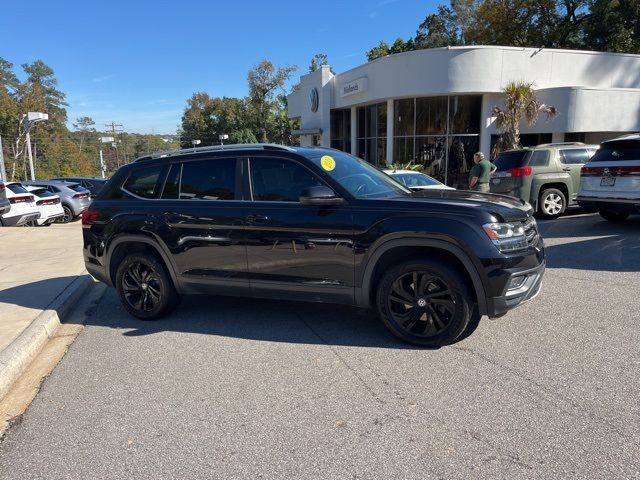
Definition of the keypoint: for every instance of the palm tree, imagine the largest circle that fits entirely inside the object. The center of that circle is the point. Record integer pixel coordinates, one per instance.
(521, 102)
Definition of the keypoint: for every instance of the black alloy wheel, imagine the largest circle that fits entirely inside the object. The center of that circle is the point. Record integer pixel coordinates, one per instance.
(144, 286)
(424, 303)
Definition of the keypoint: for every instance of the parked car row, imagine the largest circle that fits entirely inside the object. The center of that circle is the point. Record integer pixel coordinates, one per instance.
(554, 176)
(43, 202)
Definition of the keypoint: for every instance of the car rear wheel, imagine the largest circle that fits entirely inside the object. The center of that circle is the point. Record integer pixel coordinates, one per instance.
(68, 215)
(144, 287)
(552, 203)
(424, 302)
(612, 216)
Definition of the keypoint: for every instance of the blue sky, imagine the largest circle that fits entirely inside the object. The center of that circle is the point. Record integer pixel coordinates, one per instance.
(137, 62)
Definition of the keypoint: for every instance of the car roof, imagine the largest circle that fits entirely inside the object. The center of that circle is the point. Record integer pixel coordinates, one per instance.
(631, 136)
(270, 147)
(79, 178)
(51, 182)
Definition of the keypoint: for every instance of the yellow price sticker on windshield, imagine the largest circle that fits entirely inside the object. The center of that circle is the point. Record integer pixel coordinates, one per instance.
(328, 163)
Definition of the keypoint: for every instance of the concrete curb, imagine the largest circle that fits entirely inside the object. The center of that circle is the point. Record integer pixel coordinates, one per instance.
(17, 356)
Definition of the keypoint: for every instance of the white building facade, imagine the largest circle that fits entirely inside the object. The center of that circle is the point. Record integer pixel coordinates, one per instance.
(434, 106)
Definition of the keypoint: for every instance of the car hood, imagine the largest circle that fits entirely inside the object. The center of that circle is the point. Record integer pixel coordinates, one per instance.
(508, 208)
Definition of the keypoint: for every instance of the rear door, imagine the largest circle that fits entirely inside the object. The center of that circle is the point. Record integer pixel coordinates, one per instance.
(571, 161)
(203, 216)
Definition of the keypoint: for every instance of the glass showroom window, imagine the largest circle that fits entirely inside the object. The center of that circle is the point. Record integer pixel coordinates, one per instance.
(372, 133)
(341, 130)
(430, 130)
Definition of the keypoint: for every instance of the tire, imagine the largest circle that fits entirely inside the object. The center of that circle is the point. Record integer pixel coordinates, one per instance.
(421, 318)
(140, 278)
(613, 216)
(552, 203)
(68, 215)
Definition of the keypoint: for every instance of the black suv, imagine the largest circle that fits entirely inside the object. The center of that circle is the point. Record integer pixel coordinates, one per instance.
(311, 224)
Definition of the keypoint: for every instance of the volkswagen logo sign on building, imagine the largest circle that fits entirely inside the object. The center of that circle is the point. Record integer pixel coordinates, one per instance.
(313, 99)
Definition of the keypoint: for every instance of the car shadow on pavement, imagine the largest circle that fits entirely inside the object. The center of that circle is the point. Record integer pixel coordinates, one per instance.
(36, 295)
(259, 320)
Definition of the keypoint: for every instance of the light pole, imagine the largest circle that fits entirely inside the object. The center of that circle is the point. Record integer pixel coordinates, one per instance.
(104, 140)
(222, 138)
(30, 118)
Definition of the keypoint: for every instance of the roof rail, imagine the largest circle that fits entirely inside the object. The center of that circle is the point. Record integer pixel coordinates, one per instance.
(559, 144)
(216, 148)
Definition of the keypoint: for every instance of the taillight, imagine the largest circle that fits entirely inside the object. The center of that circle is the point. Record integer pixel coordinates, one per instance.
(89, 217)
(520, 171)
(49, 201)
(591, 171)
(24, 199)
(81, 195)
(1, 187)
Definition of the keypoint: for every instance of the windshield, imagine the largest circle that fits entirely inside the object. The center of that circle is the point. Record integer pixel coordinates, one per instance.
(508, 160)
(415, 180)
(359, 178)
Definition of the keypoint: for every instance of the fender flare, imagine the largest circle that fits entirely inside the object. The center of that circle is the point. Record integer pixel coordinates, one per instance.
(471, 269)
(166, 257)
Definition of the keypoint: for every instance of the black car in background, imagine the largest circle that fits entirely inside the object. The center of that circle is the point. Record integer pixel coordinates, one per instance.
(93, 184)
(310, 224)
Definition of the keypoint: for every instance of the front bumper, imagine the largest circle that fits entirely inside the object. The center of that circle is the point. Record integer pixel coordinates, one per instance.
(531, 281)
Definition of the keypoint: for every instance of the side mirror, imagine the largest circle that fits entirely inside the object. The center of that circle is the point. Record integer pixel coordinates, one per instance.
(319, 196)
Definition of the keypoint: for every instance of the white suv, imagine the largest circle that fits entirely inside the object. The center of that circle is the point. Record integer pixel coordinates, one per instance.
(610, 180)
(23, 206)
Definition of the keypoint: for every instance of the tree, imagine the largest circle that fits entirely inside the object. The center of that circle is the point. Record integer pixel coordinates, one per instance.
(614, 25)
(521, 103)
(84, 125)
(8, 80)
(379, 51)
(41, 76)
(318, 60)
(264, 81)
(440, 29)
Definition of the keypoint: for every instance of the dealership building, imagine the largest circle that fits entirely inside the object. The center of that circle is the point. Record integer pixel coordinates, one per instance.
(434, 107)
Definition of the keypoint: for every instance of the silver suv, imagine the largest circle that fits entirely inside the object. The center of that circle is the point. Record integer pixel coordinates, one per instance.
(546, 176)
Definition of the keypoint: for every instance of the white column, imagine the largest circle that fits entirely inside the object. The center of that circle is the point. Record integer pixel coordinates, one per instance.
(354, 131)
(485, 125)
(390, 117)
(557, 137)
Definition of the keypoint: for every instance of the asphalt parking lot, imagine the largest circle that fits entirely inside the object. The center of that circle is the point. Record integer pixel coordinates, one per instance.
(237, 388)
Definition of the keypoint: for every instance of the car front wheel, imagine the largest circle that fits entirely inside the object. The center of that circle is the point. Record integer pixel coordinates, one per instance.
(424, 302)
(144, 287)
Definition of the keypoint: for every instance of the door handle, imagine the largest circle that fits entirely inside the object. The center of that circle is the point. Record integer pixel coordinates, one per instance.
(566, 169)
(256, 219)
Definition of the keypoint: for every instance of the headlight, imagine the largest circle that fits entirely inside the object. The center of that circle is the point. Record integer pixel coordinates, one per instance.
(507, 237)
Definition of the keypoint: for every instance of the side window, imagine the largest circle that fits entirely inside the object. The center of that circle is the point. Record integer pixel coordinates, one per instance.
(278, 180)
(144, 182)
(575, 156)
(213, 179)
(539, 158)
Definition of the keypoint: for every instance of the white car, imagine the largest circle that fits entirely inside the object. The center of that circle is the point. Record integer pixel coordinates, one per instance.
(416, 181)
(23, 206)
(48, 204)
(610, 180)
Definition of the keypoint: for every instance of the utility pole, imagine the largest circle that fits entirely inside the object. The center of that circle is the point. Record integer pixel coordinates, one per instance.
(3, 172)
(113, 126)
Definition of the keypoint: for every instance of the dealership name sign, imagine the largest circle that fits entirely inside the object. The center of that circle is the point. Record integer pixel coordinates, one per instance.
(358, 85)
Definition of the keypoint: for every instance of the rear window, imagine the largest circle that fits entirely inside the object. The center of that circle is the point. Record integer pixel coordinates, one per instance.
(17, 188)
(42, 192)
(508, 160)
(574, 156)
(415, 180)
(624, 150)
(143, 182)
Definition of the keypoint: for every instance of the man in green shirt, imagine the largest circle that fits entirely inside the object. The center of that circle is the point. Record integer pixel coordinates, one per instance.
(480, 173)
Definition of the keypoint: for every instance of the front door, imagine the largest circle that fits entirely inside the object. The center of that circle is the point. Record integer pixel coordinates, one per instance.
(296, 251)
